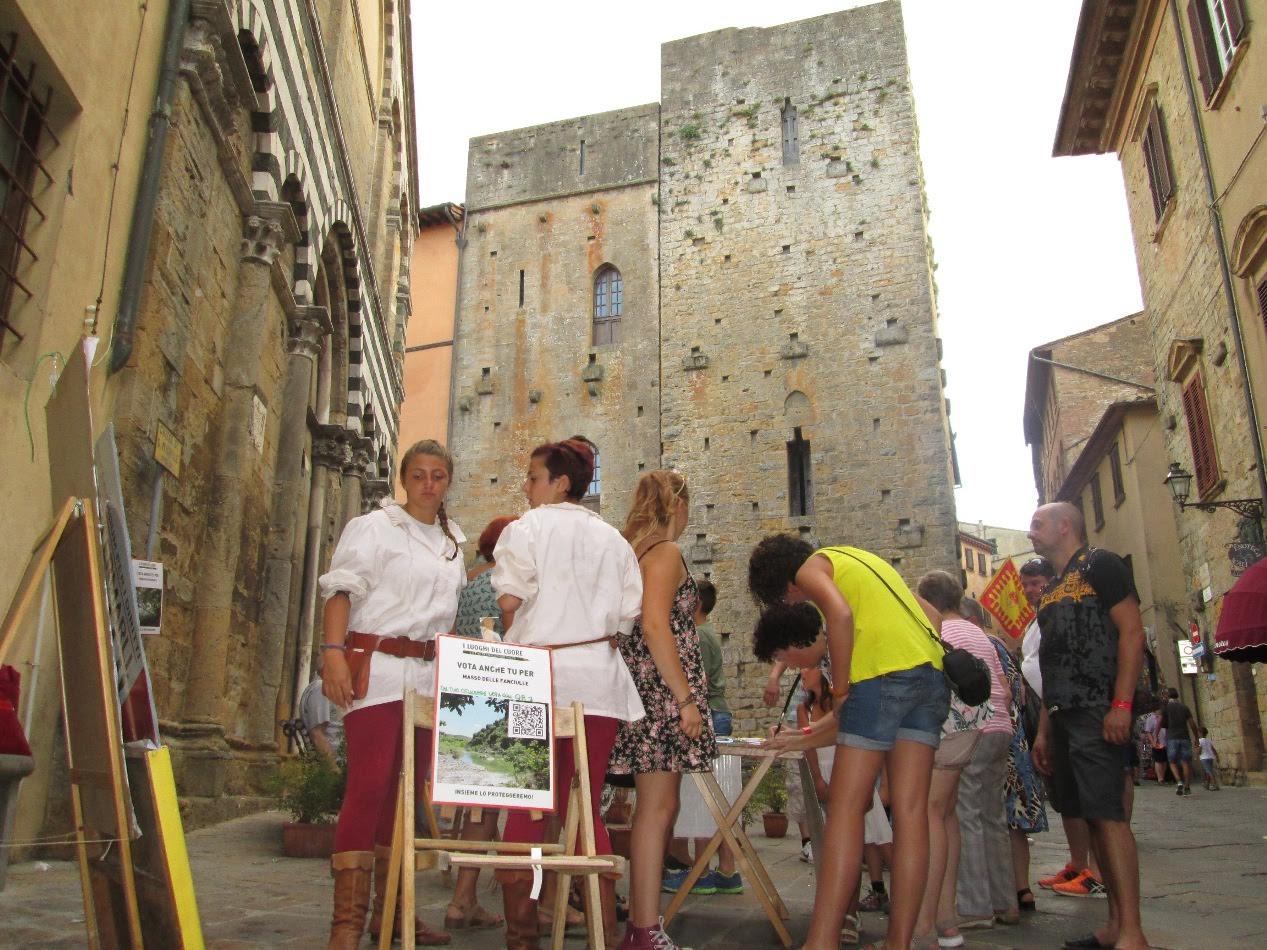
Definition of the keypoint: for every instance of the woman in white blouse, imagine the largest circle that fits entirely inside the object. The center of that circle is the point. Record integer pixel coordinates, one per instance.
(392, 588)
(567, 580)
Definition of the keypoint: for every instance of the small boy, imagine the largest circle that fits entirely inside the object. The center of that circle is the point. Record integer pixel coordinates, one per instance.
(1209, 759)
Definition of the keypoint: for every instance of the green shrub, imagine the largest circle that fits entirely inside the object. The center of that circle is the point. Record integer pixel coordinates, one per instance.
(310, 787)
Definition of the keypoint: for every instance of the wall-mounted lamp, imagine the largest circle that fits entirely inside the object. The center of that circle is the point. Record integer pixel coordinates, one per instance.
(1180, 483)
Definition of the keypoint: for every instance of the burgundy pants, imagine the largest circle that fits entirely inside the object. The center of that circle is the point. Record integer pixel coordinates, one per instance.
(600, 736)
(373, 737)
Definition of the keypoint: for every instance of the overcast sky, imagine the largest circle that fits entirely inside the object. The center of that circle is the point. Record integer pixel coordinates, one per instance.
(1028, 247)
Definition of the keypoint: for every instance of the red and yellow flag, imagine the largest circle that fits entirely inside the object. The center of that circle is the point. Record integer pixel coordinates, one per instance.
(1004, 597)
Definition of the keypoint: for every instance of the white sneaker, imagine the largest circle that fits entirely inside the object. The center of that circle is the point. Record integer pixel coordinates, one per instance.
(807, 853)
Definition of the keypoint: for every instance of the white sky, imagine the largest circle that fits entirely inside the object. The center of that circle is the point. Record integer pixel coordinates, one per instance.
(1029, 248)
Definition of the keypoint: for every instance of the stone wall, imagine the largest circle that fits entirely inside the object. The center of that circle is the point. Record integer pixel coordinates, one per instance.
(799, 295)
(1078, 396)
(528, 374)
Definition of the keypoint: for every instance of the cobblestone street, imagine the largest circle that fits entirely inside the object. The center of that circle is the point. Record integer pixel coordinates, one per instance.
(1204, 862)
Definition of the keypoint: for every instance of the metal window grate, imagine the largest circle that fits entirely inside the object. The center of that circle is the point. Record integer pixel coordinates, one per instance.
(23, 126)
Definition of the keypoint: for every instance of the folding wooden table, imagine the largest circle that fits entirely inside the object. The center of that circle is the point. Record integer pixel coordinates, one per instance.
(730, 830)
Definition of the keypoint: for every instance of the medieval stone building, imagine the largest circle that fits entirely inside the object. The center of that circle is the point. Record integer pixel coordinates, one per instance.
(254, 318)
(735, 281)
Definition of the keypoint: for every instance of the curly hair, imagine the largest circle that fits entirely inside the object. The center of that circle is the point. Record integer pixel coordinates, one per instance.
(785, 625)
(655, 498)
(773, 565)
(572, 457)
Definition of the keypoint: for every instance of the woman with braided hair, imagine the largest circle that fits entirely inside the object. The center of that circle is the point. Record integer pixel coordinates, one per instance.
(567, 581)
(392, 588)
(663, 654)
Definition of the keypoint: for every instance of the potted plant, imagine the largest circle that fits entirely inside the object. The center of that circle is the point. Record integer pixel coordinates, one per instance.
(310, 787)
(772, 797)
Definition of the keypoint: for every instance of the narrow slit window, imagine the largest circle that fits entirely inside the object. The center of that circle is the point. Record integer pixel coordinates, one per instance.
(580, 169)
(521, 290)
(791, 135)
(800, 483)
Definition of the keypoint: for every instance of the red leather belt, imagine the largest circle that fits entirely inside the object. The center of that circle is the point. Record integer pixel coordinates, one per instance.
(392, 646)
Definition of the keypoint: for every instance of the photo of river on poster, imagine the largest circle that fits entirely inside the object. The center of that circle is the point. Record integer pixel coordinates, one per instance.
(474, 748)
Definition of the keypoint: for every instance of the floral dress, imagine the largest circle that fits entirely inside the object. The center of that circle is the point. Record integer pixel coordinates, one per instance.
(655, 743)
(1023, 789)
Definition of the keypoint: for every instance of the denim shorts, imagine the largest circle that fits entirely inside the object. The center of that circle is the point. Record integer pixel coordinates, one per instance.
(906, 704)
(1178, 751)
(722, 725)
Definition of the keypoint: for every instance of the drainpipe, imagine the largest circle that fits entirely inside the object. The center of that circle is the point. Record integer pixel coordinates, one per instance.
(1225, 269)
(147, 192)
(460, 240)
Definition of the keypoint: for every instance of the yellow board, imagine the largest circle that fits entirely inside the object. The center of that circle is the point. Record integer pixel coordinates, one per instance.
(172, 832)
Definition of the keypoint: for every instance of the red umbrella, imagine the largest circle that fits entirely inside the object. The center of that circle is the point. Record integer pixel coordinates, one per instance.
(1242, 630)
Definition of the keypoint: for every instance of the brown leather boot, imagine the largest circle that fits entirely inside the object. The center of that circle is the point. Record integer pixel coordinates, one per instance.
(351, 872)
(423, 935)
(520, 910)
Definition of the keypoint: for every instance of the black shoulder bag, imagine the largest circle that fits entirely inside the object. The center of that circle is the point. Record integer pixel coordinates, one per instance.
(966, 674)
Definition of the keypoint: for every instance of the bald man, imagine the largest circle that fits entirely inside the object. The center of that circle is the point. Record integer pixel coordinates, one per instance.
(1090, 658)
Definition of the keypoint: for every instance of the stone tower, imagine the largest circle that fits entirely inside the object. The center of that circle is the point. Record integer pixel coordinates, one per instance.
(778, 342)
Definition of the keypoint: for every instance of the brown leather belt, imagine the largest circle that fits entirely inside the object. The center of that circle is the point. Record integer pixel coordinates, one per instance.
(610, 640)
(392, 646)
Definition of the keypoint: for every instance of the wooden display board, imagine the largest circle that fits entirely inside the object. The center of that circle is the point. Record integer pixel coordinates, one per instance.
(134, 870)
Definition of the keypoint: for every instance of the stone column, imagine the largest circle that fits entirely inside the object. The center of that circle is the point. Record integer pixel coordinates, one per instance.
(284, 560)
(355, 473)
(265, 234)
(331, 451)
(373, 492)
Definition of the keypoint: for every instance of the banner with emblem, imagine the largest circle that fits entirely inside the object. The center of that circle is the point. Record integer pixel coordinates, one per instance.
(1004, 597)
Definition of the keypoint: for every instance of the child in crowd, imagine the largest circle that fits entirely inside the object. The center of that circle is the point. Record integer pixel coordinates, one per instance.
(1209, 760)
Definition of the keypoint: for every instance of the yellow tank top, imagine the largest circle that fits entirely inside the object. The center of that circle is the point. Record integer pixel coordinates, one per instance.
(886, 637)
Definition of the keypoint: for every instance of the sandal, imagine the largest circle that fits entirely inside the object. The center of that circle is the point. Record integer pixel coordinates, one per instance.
(851, 929)
(474, 917)
(948, 936)
(574, 919)
(1025, 901)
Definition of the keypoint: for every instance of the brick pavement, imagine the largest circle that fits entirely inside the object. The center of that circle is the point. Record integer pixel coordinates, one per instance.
(1204, 861)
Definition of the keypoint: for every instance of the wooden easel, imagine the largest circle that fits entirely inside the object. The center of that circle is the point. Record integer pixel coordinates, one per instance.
(576, 856)
(100, 804)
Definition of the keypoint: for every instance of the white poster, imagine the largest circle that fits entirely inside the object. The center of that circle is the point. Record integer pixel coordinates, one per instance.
(493, 725)
(148, 578)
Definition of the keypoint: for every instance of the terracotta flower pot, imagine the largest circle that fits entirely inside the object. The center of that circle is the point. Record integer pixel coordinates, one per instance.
(307, 841)
(775, 824)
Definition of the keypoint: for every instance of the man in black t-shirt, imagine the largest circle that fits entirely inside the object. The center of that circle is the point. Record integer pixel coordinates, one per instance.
(1179, 722)
(1090, 658)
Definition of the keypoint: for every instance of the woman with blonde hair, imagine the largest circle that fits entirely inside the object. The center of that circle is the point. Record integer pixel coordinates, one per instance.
(392, 588)
(567, 581)
(663, 655)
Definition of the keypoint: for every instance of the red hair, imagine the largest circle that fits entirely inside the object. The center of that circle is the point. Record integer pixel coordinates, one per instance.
(489, 536)
(572, 457)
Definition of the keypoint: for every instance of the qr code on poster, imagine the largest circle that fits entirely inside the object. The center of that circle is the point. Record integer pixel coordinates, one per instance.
(526, 721)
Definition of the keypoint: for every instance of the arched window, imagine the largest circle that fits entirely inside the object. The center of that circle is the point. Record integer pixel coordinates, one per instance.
(608, 305)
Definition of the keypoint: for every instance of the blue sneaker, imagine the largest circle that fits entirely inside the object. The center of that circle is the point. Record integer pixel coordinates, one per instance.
(719, 883)
(673, 880)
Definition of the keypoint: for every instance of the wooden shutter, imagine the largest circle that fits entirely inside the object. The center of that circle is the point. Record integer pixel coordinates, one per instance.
(1165, 182)
(1235, 19)
(1208, 69)
(1201, 435)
